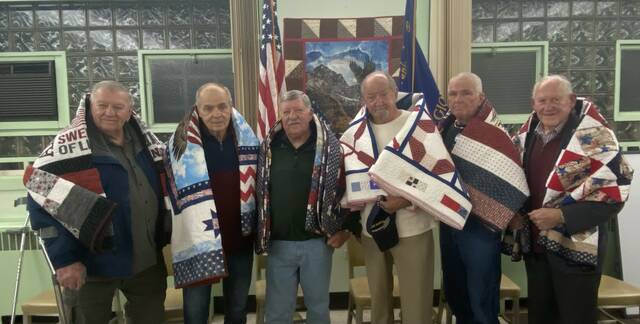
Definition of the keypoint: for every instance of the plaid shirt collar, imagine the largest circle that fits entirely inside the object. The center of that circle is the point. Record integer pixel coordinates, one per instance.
(547, 137)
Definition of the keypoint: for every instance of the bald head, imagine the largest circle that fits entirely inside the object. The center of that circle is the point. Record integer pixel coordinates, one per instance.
(471, 77)
(379, 93)
(379, 74)
(212, 86)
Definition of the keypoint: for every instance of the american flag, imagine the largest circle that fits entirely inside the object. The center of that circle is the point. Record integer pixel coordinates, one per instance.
(271, 84)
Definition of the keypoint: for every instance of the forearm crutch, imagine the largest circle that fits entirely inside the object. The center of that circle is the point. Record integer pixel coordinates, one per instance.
(23, 238)
(57, 290)
(56, 287)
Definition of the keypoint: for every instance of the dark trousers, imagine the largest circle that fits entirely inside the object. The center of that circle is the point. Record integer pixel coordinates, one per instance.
(235, 289)
(560, 293)
(471, 271)
(144, 291)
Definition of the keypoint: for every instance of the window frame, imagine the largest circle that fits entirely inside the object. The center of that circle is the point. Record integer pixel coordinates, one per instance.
(540, 48)
(622, 116)
(41, 127)
(146, 106)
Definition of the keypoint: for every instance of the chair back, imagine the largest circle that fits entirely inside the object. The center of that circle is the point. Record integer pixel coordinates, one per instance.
(168, 259)
(261, 264)
(356, 258)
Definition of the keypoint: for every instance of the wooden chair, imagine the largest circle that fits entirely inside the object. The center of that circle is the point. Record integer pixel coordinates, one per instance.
(44, 304)
(508, 290)
(261, 292)
(615, 293)
(359, 293)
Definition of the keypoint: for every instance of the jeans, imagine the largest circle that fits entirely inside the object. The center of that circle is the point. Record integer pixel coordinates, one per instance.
(290, 263)
(471, 271)
(235, 289)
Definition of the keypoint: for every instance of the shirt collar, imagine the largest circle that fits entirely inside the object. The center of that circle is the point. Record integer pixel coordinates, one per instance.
(548, 136)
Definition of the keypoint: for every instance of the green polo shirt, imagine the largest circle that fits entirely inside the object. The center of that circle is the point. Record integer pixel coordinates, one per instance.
(291, 170)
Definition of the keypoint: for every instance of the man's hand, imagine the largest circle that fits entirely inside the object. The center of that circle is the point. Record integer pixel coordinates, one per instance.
(392, 204)
(337, 239)
(546, 218)
(72, 276)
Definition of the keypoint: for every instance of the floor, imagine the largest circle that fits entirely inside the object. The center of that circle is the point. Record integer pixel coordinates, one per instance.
(340, 317)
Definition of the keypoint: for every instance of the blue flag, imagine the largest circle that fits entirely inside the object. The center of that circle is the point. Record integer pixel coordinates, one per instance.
(415, 75)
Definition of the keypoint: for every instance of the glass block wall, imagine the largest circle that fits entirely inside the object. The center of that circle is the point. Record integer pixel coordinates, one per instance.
(581, 35)
(101, 40)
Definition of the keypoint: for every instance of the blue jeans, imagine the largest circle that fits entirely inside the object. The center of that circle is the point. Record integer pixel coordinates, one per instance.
(471, 271)
(307, 263)
(235, 289)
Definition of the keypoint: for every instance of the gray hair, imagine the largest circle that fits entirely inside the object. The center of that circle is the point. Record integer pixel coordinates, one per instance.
(292, 95)
(565, 84)
(214, 85)
(112, 86)
(392, 83)
(477, 82)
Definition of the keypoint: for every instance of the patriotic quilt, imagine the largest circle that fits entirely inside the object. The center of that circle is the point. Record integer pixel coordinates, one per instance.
(323, 215)
(196, 242)
(590, 168)
(64, 182)
(491, 168)
(414, 165)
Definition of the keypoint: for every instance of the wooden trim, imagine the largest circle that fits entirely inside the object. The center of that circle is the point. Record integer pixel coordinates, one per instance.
(244, 43)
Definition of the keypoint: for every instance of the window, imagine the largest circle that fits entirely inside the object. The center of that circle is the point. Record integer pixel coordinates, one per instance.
(33, 92)
(508, 72)
(171, 78)
(627, 97)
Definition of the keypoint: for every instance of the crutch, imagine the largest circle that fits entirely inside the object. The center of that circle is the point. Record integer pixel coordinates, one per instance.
(56, 287)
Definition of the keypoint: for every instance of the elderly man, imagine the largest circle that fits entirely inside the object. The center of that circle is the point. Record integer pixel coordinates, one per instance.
(95, 196)
(222, 207)
(471, 256)
(299, 223)
(578, 180)
(413, 253)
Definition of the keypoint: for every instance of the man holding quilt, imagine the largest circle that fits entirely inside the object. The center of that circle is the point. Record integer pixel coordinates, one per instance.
(578, 180)
(489, 165)
(95, 196)
(299, 224)
(408, 238)
(211, 164)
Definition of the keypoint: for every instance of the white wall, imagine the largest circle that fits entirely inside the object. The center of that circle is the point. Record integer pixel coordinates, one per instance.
(629, 227)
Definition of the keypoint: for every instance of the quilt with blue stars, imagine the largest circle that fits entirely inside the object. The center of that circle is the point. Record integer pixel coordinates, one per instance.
(590, 168)
(196, 241)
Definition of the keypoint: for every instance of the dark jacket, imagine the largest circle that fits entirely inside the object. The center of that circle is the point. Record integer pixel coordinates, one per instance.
(115, 261)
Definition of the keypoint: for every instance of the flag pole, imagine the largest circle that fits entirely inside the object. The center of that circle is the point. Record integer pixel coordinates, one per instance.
(273, 48)
(413, 46)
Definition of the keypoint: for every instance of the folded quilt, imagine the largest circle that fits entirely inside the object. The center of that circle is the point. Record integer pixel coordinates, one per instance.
(415, 165)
